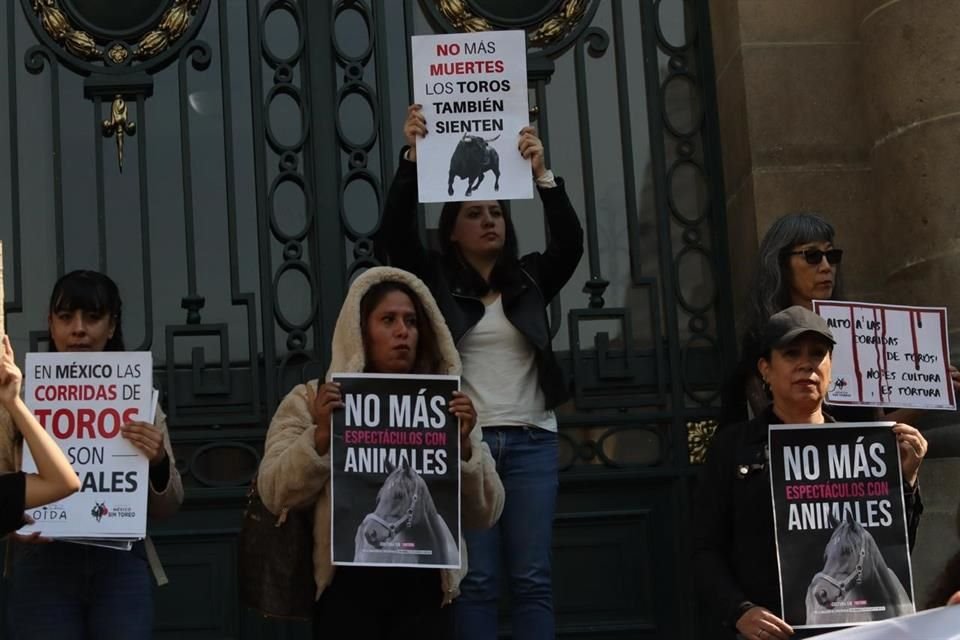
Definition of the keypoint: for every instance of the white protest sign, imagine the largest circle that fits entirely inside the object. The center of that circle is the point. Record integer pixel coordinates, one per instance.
(473, 88)
(82, 400)
(888, 355)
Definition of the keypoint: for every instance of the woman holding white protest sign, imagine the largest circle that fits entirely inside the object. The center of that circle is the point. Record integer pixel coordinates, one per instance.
(494, 302)
(735, 551)
(389, 323)
(54, 479)
(66, 590)
(797, 263)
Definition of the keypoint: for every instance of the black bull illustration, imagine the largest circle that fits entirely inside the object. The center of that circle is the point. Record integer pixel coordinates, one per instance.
(471, 159)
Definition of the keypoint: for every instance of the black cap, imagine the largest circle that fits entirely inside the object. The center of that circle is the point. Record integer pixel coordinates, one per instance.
(786, 326)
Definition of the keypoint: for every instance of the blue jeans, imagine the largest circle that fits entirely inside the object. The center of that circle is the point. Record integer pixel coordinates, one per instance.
(64, 591)
(527, 463)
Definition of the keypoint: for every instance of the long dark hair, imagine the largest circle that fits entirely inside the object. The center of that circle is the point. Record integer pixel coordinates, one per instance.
(90, 292)
(771, 289)
(428, 353)
(451, 251)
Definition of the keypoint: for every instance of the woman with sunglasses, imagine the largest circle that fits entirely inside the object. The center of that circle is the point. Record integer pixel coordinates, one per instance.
(797, 264)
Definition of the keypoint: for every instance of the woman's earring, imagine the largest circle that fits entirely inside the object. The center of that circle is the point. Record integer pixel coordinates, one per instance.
(766, 386)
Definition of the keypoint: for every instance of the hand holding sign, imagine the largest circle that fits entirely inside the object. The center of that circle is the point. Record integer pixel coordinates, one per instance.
(462, 407)
(913, 447)
(323, 402)
(758, 622)
(531, 148)
(10, 375)
(147, 439)
(414, 127)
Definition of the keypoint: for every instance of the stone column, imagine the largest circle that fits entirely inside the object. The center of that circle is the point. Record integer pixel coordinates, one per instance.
(793, 136)
(911, 79)
(911, 76)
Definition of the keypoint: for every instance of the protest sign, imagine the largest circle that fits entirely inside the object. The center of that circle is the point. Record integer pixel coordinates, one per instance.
(82, 400)
(473, 90)
(395, 472)
(888, 356)
(841, 530)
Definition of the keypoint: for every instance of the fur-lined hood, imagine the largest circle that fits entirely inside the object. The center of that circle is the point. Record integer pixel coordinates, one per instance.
(348, 355)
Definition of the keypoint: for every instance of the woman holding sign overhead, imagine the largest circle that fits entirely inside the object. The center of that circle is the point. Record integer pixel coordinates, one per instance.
(734, 539)
(390, 324)
(494, 302)
(66, 590)
(54, 479)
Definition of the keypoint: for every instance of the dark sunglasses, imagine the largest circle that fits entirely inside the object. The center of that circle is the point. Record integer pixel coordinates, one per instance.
(815, 256)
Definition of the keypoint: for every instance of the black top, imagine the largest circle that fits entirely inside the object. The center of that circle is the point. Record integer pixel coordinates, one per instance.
(530, 283)
(735, 551)
(13, 492)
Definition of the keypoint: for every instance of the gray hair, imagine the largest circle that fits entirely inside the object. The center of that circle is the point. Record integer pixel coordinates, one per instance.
(771, 288)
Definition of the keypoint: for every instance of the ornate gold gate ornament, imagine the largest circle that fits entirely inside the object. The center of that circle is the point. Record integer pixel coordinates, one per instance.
(172, 25)
(119, 126)
(548, 31)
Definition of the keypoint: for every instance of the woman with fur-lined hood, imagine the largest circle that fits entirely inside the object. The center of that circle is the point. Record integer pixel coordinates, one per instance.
(389, 323)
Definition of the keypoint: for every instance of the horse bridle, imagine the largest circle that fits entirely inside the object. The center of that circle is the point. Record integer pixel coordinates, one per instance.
(845, 585)
(403, 522)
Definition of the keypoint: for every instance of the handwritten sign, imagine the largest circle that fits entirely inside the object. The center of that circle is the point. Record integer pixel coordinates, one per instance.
(840, 520)
(82, 400)
(473, 88)
(889, 356)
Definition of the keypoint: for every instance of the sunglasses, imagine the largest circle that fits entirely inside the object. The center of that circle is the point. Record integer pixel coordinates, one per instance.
(815, 256)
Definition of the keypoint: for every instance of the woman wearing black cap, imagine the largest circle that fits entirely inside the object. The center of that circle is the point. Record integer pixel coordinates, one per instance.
(734, 545)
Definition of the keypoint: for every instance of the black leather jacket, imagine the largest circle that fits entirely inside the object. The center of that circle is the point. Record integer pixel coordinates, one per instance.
(735, 554)
(526, 291)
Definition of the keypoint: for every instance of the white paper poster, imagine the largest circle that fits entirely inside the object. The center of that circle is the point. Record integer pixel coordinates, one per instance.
(888, 355)
(82, 400)
(473, 88)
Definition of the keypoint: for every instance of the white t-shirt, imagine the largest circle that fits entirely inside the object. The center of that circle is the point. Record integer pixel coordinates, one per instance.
(500, 373)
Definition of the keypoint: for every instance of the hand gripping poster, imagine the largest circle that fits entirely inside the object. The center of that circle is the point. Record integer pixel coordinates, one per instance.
(841, 529)
(395, 472)
(473, 91)
(889, 355)
(82, 400)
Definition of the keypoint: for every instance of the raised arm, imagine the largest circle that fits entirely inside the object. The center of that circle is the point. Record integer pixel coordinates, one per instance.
(399, 235)
(55, 478)
(555, 265)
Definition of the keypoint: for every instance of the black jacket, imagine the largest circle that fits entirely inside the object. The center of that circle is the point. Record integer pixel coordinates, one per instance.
(530, 284)
(735, 551)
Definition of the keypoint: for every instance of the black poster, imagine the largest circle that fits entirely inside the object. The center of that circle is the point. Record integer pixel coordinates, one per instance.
(840, 523)
(395, 461)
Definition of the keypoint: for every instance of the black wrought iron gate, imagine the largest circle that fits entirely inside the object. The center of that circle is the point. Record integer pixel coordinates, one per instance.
(257, 138)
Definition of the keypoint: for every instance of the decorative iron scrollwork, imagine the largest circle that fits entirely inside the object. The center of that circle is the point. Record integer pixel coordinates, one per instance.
(91, 45)
(461, 18)
(172, 25)
(119, 126)
(541, 33)
(554, 28)
(699, 436)
(63, 32)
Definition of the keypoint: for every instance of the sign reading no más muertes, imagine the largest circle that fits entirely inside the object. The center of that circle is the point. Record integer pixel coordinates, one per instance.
(473, 90)
(888, 355)
(395, 472)
(82, 400)
(841, 531)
